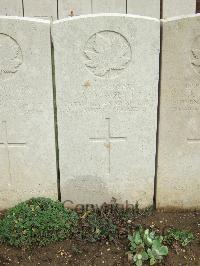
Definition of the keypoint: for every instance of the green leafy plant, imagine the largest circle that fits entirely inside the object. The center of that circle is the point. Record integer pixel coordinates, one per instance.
(93, 227)
(145, 245)
(37, 221)
(181, 236)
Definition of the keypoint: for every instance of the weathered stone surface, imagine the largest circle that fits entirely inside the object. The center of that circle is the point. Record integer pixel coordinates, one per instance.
(107, 80)
(11, 8)
(150, 8)
(172, 8)
(73, 7)
(45, 9)
(179, 133)
(27, 141)
(111, 6)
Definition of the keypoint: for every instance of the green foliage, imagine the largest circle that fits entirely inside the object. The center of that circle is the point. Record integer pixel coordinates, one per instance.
(145, 245)
(94, 227)
(37, 221)
(183, 237)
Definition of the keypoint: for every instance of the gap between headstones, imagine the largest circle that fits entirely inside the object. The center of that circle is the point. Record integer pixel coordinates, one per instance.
(55, 113)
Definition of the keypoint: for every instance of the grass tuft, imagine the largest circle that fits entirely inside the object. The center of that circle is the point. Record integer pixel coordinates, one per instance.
(39, 221)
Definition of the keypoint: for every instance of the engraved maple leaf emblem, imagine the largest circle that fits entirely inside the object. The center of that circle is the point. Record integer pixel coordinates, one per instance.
(10, 55)
(196, 57)
(107, 52)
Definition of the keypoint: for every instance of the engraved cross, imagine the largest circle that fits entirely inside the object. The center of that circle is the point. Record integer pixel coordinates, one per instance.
(108, 141)
(193, 140)
(7, 145)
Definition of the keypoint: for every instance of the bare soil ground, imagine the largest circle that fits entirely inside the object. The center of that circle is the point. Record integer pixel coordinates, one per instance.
(76, 252)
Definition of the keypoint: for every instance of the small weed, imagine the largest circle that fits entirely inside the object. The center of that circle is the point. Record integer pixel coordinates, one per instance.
(121, 216)
(94, 227)
(145, 245)
(181, 236)
(76, 250)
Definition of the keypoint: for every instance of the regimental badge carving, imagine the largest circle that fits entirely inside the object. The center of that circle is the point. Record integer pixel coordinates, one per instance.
(195, 55)
(10, 57)
(107, 54)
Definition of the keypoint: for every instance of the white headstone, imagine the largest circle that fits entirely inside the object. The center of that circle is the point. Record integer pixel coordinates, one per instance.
(172, 8)
(107, 79)
(109, 6)
(11, 8)
(45, 9)
(179, 133)
(150, 8)
(68, 8)
(27, 141)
